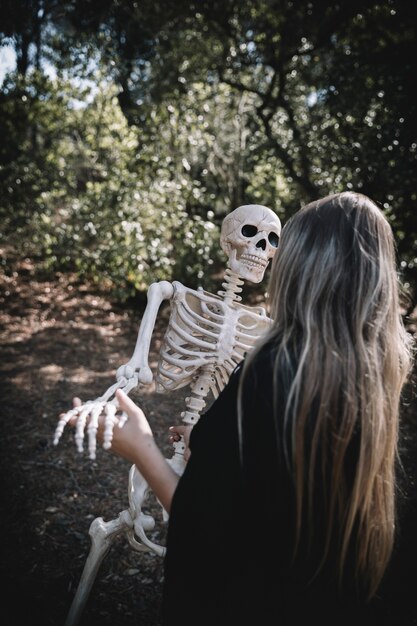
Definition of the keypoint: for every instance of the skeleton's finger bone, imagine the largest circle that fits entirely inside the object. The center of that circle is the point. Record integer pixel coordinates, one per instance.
(92, 430)
(109, 422)
(121, 419)
(63, 421)
(80, 426)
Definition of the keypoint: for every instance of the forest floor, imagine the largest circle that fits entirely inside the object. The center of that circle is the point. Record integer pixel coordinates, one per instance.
(60, 338)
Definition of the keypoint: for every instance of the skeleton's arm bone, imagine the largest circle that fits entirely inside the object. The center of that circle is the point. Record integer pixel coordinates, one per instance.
(138, 362)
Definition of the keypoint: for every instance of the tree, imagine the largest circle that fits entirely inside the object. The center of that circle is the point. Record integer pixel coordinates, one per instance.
(276, 101)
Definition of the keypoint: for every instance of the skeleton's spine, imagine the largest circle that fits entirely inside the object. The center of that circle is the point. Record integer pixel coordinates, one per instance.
(232, 287)
(196, 402)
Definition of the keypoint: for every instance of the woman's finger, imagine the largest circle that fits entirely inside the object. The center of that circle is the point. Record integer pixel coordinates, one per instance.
(126, 404)
(178, 430)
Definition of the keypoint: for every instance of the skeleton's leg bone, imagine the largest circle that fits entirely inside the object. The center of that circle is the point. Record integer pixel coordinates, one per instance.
(102, 536)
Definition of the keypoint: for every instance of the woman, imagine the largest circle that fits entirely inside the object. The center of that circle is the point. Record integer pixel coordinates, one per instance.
(286, 509)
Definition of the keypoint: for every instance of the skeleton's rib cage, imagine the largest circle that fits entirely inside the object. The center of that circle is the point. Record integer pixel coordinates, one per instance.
(206, 332)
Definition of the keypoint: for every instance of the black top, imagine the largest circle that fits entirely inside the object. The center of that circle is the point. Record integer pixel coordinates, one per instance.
(231, 530)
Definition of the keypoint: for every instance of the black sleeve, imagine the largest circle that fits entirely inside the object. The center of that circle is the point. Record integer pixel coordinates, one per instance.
(204, 516)
(219, 511)
(202, 494)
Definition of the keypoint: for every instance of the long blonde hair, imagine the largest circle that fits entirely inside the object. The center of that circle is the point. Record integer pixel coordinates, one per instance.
(335, 305)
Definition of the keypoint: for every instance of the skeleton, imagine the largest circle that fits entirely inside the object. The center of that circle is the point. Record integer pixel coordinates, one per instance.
(206, 338)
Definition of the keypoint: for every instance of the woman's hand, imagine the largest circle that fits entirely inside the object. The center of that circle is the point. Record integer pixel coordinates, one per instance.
(133, 437)
(184, 431)
(134, 442)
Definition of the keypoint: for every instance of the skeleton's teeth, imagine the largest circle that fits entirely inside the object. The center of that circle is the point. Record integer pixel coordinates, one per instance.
(252, 260)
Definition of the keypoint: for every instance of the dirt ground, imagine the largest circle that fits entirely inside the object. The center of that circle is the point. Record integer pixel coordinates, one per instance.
(59, 339)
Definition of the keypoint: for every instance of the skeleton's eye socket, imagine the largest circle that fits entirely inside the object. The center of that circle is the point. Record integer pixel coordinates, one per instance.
(249, 231)
(273, 239)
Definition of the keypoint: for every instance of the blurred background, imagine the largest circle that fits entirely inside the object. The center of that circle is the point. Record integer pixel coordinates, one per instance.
(129, 129)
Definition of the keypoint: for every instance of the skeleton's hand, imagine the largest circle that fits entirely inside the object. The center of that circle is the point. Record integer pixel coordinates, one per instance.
(128, 372)
(181, 432)
(130, 438)
(85, 417)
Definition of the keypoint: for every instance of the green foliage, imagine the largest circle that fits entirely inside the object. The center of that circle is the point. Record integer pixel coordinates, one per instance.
(195, 109)
(114, 203)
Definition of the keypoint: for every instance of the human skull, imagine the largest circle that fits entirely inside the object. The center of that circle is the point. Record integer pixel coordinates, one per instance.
(249, 236)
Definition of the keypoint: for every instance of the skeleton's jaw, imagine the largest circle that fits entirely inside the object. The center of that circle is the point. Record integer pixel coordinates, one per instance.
(249, 266)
